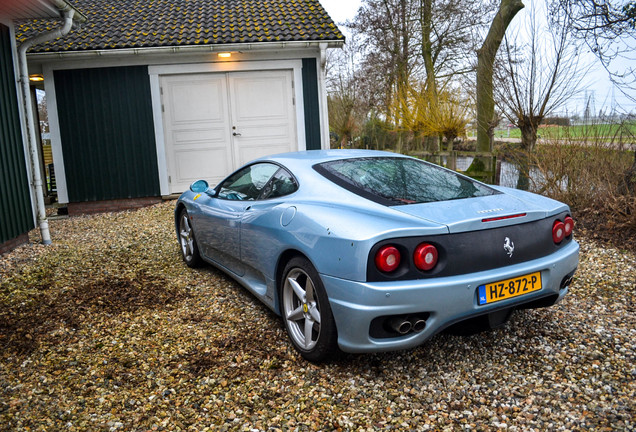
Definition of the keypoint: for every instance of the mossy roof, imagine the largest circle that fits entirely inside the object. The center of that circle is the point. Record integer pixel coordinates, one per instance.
(115, 24)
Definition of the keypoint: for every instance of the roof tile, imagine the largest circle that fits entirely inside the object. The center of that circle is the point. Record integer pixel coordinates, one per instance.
(114, 24)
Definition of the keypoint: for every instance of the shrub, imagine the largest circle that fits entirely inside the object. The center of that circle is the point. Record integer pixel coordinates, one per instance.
(594, 175)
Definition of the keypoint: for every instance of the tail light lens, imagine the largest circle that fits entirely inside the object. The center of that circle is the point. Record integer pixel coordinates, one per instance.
(425, 256)
(568, 222)
(387, 259)
(558, 231)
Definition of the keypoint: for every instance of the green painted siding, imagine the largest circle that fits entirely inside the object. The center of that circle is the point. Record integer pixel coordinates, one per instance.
(312, 108)
(107, 132)
(16, 216)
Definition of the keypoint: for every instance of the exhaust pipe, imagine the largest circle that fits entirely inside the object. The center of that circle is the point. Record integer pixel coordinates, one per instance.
(400, 325)
(566, 281)
(417, 324)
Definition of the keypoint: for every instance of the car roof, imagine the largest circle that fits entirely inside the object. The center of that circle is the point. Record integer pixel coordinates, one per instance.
(311, 157)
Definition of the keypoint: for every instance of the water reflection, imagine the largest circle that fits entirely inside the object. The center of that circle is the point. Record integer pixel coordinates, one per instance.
(508, 174)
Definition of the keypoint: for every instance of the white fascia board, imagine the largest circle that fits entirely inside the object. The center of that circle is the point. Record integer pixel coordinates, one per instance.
(197, 50)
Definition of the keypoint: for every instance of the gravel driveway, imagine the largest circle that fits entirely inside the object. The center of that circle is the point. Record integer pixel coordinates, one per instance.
(108, 330)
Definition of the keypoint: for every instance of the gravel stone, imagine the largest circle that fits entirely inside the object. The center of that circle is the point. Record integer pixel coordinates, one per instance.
(107, 329)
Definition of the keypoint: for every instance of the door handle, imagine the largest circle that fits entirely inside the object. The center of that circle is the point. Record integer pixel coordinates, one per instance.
(236, 134)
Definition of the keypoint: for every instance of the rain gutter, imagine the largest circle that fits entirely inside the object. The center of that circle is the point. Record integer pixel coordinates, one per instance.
(187, 49)
(36, 180)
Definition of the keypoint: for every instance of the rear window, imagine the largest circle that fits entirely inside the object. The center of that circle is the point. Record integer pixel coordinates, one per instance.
(399, 181)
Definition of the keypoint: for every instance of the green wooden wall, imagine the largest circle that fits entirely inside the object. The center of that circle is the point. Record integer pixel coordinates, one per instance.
(312, 107)
(107, 132)
(16, 215)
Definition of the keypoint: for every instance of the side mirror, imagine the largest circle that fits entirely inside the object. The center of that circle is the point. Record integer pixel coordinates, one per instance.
(199, 186)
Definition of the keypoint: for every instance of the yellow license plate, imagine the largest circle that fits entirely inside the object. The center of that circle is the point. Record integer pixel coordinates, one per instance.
(505, 289)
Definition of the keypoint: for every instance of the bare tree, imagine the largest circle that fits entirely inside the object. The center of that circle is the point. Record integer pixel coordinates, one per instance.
(345, 87)
(413, 41)
(540, 71)
(608, 28)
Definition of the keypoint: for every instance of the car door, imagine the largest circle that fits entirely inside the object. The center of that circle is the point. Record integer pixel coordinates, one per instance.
(219, 224)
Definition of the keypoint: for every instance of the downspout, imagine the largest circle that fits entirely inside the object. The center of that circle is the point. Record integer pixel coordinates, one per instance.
(31, 129)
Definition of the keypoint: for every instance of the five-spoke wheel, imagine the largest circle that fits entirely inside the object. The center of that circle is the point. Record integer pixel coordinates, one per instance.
(306, 311)
(189, 248)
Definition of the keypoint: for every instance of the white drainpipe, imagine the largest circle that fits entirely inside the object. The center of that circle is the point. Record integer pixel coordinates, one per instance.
(31, 128)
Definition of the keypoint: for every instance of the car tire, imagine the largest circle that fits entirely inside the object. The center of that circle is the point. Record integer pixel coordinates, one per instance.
(306, 312)
(187, 241)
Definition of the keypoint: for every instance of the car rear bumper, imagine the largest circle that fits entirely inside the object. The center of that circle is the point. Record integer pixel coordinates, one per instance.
(443, 301)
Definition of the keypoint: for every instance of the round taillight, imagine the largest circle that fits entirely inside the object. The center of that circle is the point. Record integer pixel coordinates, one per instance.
(558, 231)
(568, 222)
(425, 257)
(387, 259)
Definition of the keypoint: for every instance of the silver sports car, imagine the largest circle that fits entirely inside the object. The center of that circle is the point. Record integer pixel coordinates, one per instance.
(363, 251)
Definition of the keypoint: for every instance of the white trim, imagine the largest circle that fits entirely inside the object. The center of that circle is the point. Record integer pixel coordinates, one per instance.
(56, 137)
(230, 66)
(322, 98)
(155, 72)
(187, 49)
(160, 145)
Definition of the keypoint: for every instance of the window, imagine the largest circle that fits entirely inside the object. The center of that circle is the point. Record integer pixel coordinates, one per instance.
(247, 183)
(281, 184)
(398, 181)
(258, 181)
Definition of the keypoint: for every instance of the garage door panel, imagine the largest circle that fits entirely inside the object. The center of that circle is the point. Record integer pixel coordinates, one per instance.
(265, 131)
(199, 96)
(263, 113)
(207, 163)
(259, 99)
(200, 136)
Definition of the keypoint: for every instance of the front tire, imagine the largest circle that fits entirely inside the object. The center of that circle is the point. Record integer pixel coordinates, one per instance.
(306, 312)
(187, 241)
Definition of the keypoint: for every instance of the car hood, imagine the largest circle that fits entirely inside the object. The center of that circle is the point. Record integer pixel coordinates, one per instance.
(479, 213)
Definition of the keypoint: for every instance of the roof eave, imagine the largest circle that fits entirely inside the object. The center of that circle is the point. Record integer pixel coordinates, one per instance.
(187, 49)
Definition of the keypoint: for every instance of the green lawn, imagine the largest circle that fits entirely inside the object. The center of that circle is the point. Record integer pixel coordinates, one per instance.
(576, 132)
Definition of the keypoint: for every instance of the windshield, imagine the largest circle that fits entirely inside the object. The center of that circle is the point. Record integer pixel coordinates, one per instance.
(396, 181)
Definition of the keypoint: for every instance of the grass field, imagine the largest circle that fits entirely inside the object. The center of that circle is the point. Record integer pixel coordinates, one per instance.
(576, 132)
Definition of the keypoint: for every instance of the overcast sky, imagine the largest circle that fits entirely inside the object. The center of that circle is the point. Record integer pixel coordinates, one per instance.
(599, 85)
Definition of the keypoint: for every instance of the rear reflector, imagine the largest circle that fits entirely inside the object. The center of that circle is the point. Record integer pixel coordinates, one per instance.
(569, 225)
(558, 231)
(492, 219)
(387, 259)
(425, 257)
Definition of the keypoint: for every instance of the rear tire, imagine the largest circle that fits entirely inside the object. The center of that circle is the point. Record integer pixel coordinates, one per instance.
(306, 312)
(187, 241)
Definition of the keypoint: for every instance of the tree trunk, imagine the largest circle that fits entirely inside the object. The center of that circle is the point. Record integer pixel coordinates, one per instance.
(426, 16)
(485, 61)
(528, 142)
(529, 134)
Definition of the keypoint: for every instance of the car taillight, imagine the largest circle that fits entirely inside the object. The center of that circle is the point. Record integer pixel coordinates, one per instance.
(568, 222)
(425, 257)
(387, 259)
(558, 231)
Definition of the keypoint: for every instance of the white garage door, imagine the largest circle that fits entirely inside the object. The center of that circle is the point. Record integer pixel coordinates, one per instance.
(215, 122)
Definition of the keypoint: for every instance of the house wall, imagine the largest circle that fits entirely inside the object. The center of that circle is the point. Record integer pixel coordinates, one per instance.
(106, 127)
(16, 214)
